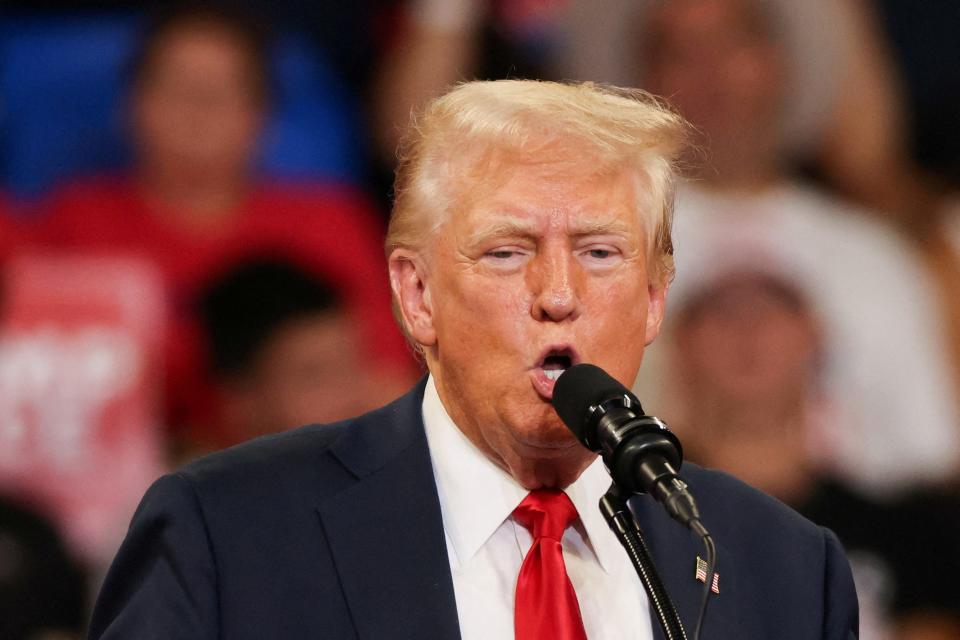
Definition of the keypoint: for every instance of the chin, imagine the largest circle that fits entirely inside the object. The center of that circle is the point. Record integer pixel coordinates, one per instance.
(545, 431)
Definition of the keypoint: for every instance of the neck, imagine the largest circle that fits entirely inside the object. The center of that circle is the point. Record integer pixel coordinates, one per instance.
(741, 166)
(194, 202)
(760, 442)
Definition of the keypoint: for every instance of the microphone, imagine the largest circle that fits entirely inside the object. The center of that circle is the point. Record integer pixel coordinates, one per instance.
(640, 452)
(642, 456)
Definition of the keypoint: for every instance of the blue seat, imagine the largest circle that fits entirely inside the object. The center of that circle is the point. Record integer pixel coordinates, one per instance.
(61, 104)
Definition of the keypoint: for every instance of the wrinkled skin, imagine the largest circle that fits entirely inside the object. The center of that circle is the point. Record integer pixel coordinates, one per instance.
(542, 259)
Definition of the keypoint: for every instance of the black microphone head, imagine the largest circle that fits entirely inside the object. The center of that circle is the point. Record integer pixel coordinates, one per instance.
(579, 390)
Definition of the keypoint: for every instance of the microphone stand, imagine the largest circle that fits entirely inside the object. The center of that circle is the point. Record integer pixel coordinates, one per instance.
(615, 511)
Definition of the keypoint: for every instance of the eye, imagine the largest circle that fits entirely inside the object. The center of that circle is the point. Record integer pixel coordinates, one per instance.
(506, 258)
(600, 254)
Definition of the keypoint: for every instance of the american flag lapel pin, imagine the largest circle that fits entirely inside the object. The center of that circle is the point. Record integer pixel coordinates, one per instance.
(701, 575)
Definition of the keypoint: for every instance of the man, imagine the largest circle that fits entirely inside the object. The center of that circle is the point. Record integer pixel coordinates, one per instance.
(531, 232)
(725, 68)
(283, 350)
(749, 358)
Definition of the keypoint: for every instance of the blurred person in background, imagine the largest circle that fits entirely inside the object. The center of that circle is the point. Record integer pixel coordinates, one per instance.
(722, 64)
(43, 589)
(433, 44)
(748, 356)
(913, 122)
(862, 152)
(284, 352)
(199, 91)
(887, 142)
(836, 46)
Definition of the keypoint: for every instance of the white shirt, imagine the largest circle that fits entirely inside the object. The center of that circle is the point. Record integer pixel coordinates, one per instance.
(486, 546)
(887, 373)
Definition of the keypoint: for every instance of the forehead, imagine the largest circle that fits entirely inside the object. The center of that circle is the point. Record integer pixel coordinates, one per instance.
(201, 48)
(547, 195)
(745, 297)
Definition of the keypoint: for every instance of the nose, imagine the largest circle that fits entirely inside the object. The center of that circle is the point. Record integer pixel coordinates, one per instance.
(556, 286)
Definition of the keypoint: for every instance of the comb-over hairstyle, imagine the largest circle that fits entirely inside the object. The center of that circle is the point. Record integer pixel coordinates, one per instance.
(457, 142)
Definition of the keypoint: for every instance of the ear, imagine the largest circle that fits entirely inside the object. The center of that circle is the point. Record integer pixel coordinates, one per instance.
(408, 279)
(656, 307)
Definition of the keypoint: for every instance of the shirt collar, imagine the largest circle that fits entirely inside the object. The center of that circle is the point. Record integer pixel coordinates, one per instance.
(476, 495)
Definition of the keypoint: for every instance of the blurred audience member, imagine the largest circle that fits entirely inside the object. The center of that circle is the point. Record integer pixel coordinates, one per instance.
(843, 108)
(43, 591)
(747, 360)
(439, 42)
(720, 62)
(748, 364)
(838, 99)
(199, 93)
(863, 152)
(283, 351)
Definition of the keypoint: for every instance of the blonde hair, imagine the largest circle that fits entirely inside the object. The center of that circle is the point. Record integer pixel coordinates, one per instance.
(452, 143)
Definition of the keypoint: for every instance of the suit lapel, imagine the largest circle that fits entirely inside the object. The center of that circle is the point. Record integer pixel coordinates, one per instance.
(385, 530)
(675, 551)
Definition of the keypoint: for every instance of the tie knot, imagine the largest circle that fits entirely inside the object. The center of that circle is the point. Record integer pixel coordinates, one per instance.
(546, 513)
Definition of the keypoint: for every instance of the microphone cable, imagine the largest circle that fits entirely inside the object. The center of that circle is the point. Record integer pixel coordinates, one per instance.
(711, 552)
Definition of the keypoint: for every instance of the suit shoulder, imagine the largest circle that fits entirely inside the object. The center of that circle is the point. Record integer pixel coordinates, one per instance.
(289, 454)
(776, 558)
(732, 505)
(288, 461)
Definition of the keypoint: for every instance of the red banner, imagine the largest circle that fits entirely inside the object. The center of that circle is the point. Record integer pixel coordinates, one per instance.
(79, 391)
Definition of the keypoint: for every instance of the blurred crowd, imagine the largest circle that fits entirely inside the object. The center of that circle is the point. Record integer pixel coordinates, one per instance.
(193, 198)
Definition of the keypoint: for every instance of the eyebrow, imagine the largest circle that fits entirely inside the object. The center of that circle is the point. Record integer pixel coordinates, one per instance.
(507, 228)
(600, 227)
(520, 228)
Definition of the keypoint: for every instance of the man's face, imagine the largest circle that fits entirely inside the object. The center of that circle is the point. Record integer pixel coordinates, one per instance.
(748, 346)
(541, 270)
(311, 370)
(197, 108)
(713, 61)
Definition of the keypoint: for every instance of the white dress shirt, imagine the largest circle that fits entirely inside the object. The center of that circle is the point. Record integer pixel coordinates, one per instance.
(486, 546)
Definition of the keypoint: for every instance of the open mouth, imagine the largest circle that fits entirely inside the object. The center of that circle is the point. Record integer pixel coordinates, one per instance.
(556, 361)
(552, 363)
(555, 364)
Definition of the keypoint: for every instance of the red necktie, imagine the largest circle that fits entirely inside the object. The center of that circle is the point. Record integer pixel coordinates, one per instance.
(546, 605)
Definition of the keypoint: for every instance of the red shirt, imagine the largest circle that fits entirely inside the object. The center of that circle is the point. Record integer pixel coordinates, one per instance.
(328, 230)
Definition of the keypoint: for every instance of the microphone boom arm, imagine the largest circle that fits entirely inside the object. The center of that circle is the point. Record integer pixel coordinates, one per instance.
(621, 521)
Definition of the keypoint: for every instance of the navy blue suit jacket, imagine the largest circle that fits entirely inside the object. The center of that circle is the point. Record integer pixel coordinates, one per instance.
(335, 532)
